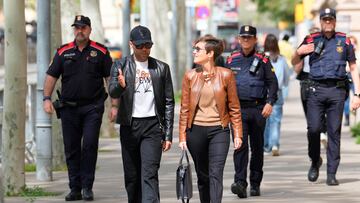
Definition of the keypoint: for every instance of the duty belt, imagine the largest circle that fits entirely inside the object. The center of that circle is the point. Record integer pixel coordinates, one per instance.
(251, 103)
(331, 83)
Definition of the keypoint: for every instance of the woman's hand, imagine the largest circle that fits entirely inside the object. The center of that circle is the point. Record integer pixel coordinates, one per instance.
(237, 143)
(183, 145)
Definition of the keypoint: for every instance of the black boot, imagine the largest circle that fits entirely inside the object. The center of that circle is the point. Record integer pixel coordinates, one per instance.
(239, 188)
(331, 180)
(254, 190)
(88, 194)
(73, 196)
(313, 173)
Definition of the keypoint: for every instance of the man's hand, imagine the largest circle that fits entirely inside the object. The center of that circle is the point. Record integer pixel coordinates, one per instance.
(355, 103)
(48, 106)
(305, 49)
(113, 113)
(121, 79)
(182, 145)
(166, 145)
(266, 110)
(237, 143)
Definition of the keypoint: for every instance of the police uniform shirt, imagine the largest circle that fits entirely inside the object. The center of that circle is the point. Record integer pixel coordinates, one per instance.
(81, 73)
(240, 64)
(338, 44)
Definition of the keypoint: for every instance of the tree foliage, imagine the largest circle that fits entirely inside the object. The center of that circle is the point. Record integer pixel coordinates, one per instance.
(279, 10)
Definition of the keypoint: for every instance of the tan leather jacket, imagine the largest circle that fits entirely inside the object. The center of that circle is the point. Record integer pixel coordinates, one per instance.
(227, 101)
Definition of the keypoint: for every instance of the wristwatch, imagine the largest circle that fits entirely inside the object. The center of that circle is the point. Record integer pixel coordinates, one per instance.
(46, 98)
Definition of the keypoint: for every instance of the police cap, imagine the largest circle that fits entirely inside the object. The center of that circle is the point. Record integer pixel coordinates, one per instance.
(81, 20)
(140, 35)
(328, 12)
(247, 30)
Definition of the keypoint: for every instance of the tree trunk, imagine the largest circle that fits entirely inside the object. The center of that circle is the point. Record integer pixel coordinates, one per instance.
(91, 9)
(14, 97)
(182, 45)
(57, 140)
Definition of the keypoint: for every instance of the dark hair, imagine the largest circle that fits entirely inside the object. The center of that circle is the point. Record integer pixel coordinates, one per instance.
(286, 37)
(212, 44)
(271, 44)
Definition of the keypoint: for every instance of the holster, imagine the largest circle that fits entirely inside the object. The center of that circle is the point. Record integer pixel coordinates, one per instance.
(58, 105)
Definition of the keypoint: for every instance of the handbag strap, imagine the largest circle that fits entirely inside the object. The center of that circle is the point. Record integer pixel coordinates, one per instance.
(184, 153)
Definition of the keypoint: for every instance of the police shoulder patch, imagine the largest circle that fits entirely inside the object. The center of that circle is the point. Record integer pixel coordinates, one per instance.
(65, 47)
(98, 46)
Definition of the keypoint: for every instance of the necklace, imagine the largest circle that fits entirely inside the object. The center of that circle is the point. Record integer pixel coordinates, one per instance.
(207, 77)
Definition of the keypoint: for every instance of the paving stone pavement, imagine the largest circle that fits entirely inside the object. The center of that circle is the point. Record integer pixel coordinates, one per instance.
(285, 177)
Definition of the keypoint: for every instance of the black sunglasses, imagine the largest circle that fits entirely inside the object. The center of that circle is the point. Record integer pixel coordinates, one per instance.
(145, 45)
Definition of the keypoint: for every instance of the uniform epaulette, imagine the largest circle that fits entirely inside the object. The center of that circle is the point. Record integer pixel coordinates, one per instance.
(341, 34)
(259, 55)
(315, 34)
(232, 55)
(310, 38)
(347, 41)
(65, 47)
(98, 46)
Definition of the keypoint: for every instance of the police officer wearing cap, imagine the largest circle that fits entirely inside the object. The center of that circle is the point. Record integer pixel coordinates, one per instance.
(257, 88)
(329, 51)
(142, 86)
(82, 65)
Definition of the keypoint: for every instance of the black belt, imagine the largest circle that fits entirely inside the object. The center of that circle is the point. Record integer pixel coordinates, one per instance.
(251, 103)
(84, 102)
(330, 83)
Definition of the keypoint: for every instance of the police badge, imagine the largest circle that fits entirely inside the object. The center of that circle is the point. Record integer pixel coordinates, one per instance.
(339, 49)
(93, 53)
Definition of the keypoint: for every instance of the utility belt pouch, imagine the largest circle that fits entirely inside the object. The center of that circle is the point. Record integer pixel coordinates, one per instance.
(58, 105)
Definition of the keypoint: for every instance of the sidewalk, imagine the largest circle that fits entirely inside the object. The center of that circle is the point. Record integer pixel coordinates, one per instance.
(285, 177)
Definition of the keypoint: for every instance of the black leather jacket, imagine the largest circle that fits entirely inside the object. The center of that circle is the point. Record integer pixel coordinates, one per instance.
(163, 92)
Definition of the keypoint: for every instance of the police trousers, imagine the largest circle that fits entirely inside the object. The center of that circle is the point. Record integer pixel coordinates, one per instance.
(327, 101)
(253, 124)
(209, 146)
(141, 147)
(81, 127)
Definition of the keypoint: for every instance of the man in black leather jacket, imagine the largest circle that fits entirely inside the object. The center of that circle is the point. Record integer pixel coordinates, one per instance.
(141, 86)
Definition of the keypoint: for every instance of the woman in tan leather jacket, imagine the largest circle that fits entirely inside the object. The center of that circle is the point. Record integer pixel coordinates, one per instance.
(209, 102)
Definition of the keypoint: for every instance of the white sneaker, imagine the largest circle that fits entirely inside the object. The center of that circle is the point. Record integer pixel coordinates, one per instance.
(275, 151)
(324, 139)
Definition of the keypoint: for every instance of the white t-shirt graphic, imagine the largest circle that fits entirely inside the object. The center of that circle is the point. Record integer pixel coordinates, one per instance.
(144, 101)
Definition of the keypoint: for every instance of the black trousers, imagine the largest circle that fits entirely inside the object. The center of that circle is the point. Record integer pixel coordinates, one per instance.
(327, 101)
(141, 146)
(81, 127)
(209, 146)
(305, 89)
(253, 124)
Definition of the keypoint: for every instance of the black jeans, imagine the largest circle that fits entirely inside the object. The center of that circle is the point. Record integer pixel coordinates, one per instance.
(81, 127)
(253, 124)
(209, 146)
(141, 153)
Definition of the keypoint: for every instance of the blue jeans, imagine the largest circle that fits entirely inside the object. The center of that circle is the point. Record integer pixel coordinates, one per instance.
(272, 128)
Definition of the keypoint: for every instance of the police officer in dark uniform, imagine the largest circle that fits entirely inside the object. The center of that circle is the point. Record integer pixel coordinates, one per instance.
(82, 65)
(257, 88)
(329, 51)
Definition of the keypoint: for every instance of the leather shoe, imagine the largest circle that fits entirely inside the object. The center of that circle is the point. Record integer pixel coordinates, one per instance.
(314, 171)
(239, 189)
(254, 190)
(88, 194)
(73, 196)
(331, 180)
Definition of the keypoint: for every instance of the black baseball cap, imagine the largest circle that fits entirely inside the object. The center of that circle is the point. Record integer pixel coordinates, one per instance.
(81, 20)
(140, 35)
(247, 30)
(328, 12)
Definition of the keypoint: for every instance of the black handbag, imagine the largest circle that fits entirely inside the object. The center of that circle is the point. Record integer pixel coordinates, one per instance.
(184, 190)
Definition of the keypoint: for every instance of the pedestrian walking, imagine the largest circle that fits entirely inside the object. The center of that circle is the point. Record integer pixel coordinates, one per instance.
(257, 88)
(143, 105)
(282, 72)
(82, 64)
(329, 51)
(209, 103)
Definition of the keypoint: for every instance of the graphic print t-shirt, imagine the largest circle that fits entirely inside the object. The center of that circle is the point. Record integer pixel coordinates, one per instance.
(144, 101)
